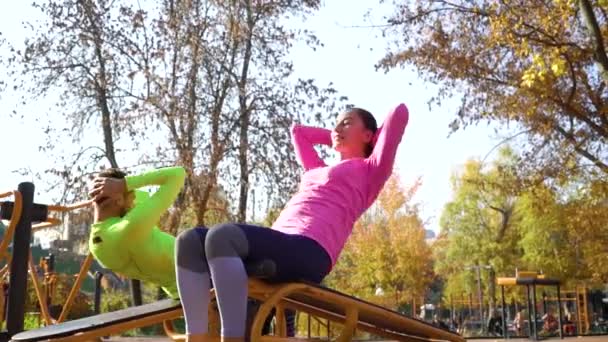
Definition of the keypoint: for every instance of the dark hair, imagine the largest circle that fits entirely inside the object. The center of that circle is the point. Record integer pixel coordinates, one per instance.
(112, 173)
(370, 123)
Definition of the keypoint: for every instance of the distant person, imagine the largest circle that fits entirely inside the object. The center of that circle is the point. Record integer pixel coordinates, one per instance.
(495, 324)
(439, 323)
(517, 322)
(550, 323)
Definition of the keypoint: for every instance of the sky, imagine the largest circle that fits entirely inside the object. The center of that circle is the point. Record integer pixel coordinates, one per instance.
(347, 59)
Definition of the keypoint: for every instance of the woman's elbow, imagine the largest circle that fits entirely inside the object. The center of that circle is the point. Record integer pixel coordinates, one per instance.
(294, 129)
(402, 113)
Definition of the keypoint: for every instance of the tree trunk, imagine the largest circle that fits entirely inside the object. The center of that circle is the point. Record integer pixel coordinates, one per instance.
(217, 148)
(244, 118)
(244, 166)
(101, 86)
(595, 34)
(108, 139)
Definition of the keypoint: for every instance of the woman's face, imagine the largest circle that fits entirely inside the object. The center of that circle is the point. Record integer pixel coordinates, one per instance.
(350, 136)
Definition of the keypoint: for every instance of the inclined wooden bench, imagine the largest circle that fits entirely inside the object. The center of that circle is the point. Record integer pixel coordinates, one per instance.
(351, 313)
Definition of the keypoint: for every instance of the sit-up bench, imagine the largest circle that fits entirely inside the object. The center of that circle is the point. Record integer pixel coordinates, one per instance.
(352, 313)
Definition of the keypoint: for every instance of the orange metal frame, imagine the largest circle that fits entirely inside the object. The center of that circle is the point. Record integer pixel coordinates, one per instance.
(48, 223)
(10, 231)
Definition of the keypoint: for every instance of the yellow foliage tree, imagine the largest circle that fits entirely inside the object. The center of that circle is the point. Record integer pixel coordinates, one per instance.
(387, 260)
(539, 64)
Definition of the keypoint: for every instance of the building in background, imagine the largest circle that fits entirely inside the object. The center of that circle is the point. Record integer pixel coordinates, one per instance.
(429, 236)
(73, 233)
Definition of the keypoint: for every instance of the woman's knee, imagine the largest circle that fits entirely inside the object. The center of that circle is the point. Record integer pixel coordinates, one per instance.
(189, 251)
(226, 240)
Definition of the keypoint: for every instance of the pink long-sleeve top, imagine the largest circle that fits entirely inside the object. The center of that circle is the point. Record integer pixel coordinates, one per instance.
(331, 198)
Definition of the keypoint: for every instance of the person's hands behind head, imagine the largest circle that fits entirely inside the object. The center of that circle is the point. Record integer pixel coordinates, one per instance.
(105, 188)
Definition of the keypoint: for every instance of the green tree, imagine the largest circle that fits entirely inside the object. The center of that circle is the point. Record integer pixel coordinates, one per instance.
(479, 225)
(564, 232)
(498, 218)
(545, 240)
(81, 307)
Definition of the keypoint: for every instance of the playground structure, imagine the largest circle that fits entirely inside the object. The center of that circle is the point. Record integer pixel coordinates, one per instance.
(347, 312)
(530, 280)
(579, 297)
(464, 308)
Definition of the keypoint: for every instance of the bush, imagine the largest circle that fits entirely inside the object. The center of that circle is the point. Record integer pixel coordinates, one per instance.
(113, 300)
(32, 321)
(81, 307)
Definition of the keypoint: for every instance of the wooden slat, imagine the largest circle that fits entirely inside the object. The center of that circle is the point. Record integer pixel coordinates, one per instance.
(118, 328)
(121, 320)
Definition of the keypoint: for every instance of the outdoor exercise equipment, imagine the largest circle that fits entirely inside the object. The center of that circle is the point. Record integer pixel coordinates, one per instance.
(530, 280)
(349, 312)
(27, 217)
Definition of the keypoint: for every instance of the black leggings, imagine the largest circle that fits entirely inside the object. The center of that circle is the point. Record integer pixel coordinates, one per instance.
(296, 257)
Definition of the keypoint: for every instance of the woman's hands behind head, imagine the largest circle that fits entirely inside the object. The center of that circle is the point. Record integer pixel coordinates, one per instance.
(103, 188)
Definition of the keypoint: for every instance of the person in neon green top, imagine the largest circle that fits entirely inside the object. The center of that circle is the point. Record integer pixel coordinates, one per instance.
(124, 237)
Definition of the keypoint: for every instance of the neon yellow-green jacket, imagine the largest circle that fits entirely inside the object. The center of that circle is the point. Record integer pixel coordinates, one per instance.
(132, 245)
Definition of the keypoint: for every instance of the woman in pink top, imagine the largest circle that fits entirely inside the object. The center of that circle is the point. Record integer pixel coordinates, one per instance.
(307, 238)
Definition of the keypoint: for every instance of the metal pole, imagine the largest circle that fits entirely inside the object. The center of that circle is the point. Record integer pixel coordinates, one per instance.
(97, 305)
(51, 262)
(19, 264)
(136, 292)
(579, 322)
(51, 269)
(559, 310)
(480, 295)
(504, 313)
(534, 310)
(529, 311)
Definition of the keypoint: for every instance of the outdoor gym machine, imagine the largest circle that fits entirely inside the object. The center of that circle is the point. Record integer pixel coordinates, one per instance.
(22, 214)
